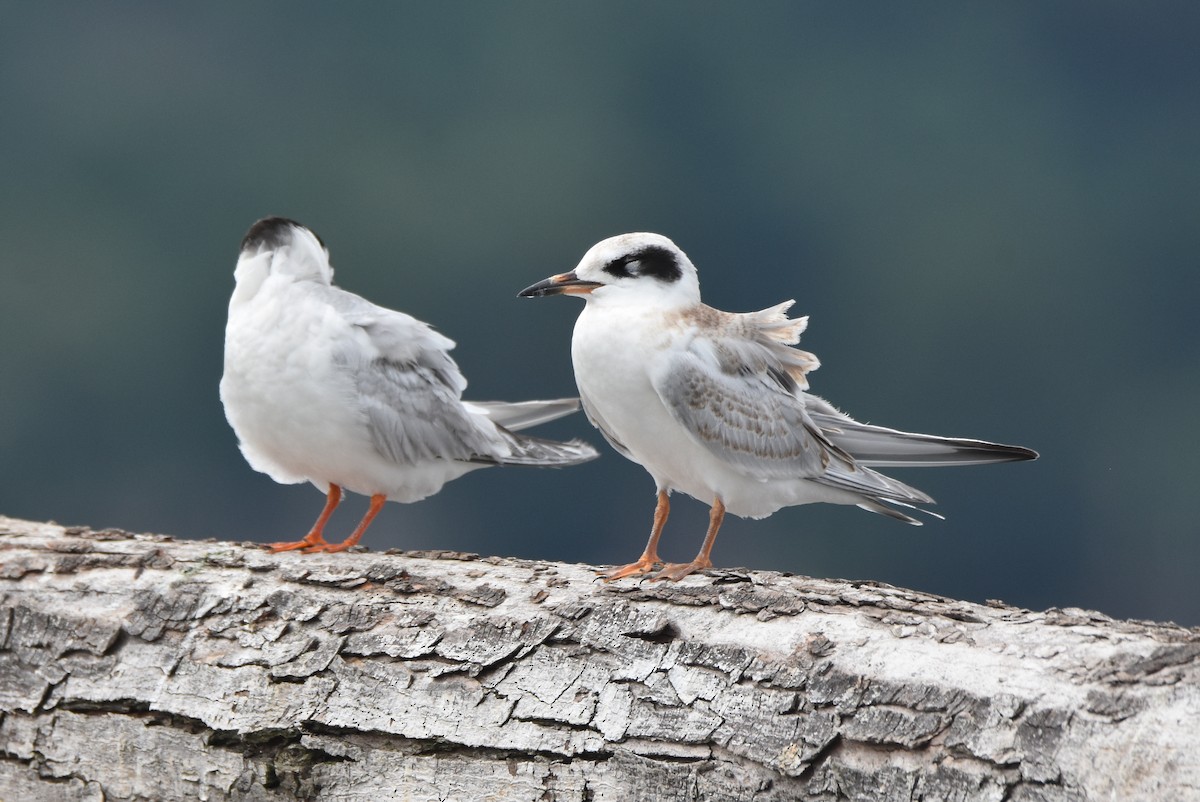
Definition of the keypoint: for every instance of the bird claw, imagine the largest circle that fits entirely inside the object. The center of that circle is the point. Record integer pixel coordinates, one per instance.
(307, 546)
(677, 571)
(299, 545)
(642, 566)
(327, 548)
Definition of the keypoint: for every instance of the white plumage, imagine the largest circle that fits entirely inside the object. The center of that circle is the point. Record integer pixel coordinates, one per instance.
(322, 386)
(713, 403)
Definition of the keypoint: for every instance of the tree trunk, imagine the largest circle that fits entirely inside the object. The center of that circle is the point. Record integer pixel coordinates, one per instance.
(140, 667)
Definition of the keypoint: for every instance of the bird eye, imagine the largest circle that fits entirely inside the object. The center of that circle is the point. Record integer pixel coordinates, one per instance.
(620, 267)
(656, 262)
(651, 261)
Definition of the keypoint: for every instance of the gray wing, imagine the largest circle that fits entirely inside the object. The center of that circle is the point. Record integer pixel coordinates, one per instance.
(751, 415)
(413, 415)
(746, 418)
(408, 388)
(400, 338)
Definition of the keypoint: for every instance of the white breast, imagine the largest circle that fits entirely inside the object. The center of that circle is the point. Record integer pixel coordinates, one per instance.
(612, 352)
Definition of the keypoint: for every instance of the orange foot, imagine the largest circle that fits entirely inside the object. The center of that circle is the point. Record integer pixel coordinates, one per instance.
(642, 566)
(677, 571)
(325, 547)
(310, 543)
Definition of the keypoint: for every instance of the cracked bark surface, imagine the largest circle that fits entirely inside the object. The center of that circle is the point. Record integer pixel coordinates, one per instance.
(141, 667)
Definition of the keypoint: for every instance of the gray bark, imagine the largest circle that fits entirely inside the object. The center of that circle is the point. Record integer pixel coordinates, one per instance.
(140, 667)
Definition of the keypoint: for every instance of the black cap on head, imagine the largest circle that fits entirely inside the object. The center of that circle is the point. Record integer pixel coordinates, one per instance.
(271, 232)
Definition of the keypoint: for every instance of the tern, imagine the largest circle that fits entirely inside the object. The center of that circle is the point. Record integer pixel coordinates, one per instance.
(323, 386)
(715, 404)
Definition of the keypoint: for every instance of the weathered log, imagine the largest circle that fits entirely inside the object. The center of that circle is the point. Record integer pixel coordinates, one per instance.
(141, 667)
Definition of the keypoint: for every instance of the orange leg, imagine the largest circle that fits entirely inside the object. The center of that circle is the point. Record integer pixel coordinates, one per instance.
(649, 557)
(315, 537)
(677, 571)
(377, 502)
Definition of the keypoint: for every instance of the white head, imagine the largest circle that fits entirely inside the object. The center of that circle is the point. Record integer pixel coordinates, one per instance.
(276, 246)
(636, 268)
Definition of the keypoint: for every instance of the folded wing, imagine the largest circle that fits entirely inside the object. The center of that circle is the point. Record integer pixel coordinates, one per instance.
(409, 390)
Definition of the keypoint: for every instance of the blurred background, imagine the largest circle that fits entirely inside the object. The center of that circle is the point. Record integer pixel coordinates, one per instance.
(989, 211)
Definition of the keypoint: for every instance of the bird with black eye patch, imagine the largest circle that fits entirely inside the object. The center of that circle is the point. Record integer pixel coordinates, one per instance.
(323, 386)
(714, 404)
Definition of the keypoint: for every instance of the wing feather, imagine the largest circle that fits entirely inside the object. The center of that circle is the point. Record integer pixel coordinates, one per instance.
(745, 418)
(409, 389)
(413, 415)
(882, 447)
(737, 389)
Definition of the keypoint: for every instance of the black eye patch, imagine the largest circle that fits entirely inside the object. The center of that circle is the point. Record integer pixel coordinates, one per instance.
(653, 261)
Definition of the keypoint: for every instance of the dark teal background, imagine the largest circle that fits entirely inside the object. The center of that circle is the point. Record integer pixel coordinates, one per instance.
(989, 211)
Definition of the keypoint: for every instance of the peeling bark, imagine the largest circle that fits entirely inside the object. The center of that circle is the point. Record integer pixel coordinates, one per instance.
(137, 667)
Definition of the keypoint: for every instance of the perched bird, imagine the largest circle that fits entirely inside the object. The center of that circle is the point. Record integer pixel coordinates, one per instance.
(713, 403)
(323, 386)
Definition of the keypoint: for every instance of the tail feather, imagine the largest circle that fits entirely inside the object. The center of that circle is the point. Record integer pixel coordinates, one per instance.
(547, 453)
(519, 415)
(871, 505)
(880, 447)
(871, 484)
